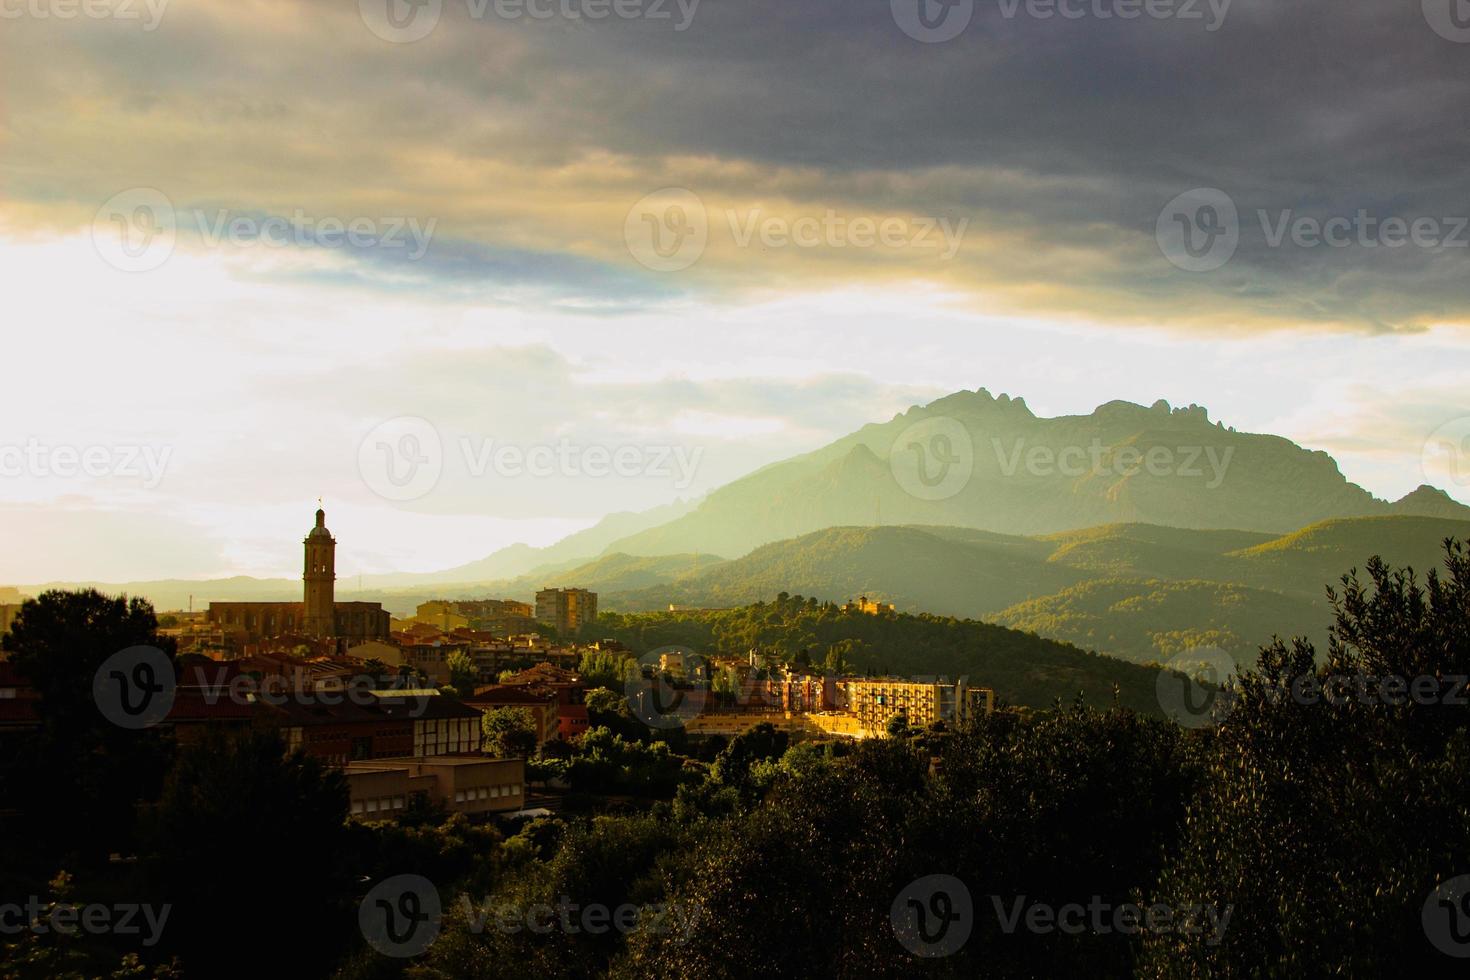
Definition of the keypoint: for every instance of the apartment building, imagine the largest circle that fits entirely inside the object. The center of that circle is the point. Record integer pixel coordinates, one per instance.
(875, 701)
(566, 610)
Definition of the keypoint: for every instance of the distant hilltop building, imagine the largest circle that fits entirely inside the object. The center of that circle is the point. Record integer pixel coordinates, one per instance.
(318, 615)
(865, 605)
(566, 610)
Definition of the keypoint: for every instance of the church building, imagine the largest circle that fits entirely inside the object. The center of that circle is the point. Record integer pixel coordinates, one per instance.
(318, 615)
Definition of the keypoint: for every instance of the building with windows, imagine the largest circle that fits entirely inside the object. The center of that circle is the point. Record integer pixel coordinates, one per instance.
(874, 701)
(501, 617)
(566, 610)
(382, 789)
(871, 607)
(570, 691)
(369, 725)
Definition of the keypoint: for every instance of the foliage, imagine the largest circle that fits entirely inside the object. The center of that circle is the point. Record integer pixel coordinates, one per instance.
(1315, 830)
(606, 668)
(609, 862)
(1023, 668)
(228, 802)
(510, 733)
(608, 763)
(76, 780)
(463, 674)
(1327, 822)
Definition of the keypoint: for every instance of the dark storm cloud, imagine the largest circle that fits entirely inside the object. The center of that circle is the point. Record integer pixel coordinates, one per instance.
(1062, 139)
(1309, 109)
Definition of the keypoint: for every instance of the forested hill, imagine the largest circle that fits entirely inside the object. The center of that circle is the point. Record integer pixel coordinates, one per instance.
(1022, 668)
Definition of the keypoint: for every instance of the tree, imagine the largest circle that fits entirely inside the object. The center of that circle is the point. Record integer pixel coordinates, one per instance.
(78, 779)
(463, 675)
(60, 639)
(67, 954)
(607, 762)
(733, 765)
(608, 863)
(510, 733)
(603, 701)
(898, 726)
(1327, 822)
(229, 803)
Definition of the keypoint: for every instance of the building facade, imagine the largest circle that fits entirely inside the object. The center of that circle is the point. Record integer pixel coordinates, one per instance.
(382, 789)
(499, 616)
(874, 701)
(566, 610)
(871, 607)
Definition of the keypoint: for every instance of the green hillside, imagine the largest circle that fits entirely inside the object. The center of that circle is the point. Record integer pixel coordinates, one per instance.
(915, 568)
(1022, 668)
(1136, 591)
(1153, 619)
(1322, 552)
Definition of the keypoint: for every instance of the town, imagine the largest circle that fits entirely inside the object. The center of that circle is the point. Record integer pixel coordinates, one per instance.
(405, 707)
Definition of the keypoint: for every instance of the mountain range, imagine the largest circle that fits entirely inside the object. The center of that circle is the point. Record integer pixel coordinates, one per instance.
(1140, 592)
(1134, 531)
(973, 460)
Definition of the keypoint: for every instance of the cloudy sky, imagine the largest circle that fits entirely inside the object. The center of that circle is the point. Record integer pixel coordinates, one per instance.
(479, 272)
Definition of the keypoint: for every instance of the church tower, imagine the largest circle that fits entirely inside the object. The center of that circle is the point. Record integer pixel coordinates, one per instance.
(320, 578)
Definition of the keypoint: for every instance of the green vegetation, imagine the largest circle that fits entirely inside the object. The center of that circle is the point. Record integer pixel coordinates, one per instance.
(462, 673)
(1296, 839)
(1022, 668)
(1154, 620)
(1314, 831)
(1136, 591)
(510, 733)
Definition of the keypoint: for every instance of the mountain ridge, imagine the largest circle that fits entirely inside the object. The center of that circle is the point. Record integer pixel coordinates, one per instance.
(1024, 478)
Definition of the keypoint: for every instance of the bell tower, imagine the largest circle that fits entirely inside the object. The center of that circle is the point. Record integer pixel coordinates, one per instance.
(320, 578)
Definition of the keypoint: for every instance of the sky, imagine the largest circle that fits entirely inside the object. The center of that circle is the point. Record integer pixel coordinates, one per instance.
(476, 273)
